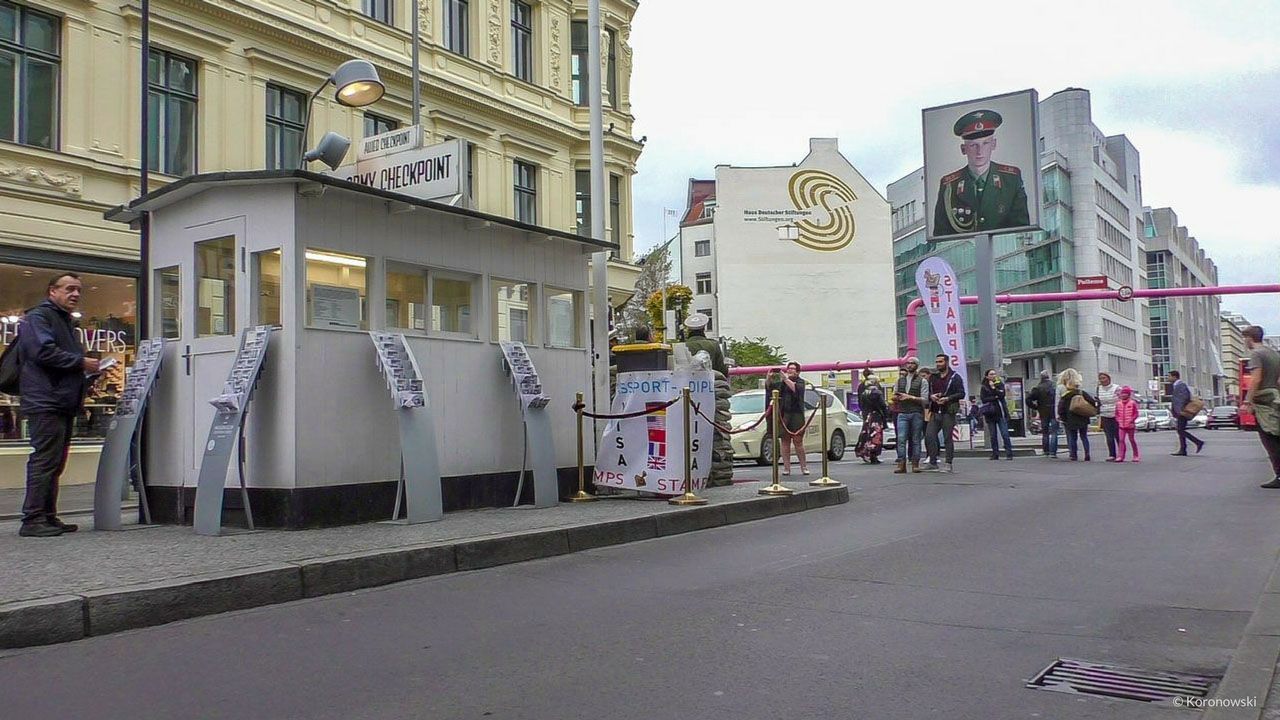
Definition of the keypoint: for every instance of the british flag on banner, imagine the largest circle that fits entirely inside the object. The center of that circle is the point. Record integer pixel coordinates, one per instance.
(656, 424)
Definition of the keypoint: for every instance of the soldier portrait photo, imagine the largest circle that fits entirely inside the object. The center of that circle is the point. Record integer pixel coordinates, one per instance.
(985, 195)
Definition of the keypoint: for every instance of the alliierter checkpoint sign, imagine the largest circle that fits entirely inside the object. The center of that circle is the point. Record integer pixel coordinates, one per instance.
(427, 173)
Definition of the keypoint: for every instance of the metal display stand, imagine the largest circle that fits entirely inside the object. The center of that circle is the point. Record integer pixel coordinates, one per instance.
(121, 458)
(419, 485)
(524, 379)
(228, 430)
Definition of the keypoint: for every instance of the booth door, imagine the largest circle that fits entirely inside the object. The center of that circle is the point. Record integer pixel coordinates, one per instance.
(210, 353)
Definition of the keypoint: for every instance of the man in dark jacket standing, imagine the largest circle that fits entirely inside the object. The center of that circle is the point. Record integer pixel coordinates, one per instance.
(1043, 400)
(946, 390)
(52, 385)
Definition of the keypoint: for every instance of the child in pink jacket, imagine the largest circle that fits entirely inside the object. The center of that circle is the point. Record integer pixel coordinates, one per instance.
(1126, 419)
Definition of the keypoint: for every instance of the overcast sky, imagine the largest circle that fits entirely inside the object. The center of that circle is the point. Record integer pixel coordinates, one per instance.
(1194, 85)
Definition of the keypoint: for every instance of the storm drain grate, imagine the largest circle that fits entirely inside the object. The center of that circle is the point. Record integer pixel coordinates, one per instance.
(1091, 678)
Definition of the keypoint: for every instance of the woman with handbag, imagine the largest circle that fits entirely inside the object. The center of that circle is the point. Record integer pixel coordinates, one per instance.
(1074, 410)
(874, 412)
(995, 411)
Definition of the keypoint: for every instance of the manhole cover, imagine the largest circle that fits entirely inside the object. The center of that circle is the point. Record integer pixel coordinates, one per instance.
(1084, 677)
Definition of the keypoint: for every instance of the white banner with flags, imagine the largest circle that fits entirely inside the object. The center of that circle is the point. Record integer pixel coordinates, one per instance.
(646, 453)
(940, 291)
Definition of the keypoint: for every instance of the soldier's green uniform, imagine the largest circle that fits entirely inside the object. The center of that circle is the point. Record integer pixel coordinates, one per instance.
(968, 204)
(698, 342)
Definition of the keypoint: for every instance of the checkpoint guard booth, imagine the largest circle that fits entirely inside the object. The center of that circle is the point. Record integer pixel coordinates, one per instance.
(322, 264)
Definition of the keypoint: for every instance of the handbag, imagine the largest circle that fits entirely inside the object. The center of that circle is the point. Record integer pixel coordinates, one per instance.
(1083, 408)
(1192, 408)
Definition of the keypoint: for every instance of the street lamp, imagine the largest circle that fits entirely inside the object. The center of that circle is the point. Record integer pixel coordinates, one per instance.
(1097, 358)
(357, 85)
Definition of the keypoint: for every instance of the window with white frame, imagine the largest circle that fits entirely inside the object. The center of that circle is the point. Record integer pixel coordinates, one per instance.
(337, 286)
(701, 248)
(513, 316)
(563, 327)
(526, 191)
(703, 282)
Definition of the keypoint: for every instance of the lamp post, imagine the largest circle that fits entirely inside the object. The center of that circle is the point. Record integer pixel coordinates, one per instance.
(357, 85)
(1097, 357)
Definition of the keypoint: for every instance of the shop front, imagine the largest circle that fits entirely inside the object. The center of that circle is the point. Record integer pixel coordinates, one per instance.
(106, 320)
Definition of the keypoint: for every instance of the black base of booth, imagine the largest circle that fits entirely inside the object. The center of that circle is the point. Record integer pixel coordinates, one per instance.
(314, 507)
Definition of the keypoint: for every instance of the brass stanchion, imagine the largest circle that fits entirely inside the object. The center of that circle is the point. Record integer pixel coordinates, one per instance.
(688, 498)
(776, 488)
(825, 480)
(582, 495)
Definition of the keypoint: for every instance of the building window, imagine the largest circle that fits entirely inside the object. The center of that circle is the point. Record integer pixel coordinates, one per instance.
(216, 287)
(337, 290)
(377, 124)
(513, 319)
(379, 10)
(457, 26)
(562, 318)
(578, 63)
(611, 76)
(29, 70)
(284, 127)
(522, 40)
(701, 248)
(703, 283)
(582, 201)
(526, 187)
(710, 317)
(615, 207)
(172, 113)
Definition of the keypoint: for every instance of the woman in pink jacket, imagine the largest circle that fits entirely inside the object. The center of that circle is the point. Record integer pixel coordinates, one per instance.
(1126, 420)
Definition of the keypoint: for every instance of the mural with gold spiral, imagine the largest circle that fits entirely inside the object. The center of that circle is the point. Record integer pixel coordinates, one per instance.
(822, 191)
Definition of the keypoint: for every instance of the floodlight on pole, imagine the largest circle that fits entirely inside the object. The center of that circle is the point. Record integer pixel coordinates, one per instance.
(356, 84)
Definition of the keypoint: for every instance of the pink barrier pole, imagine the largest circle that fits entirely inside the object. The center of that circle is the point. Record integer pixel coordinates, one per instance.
(820, 367)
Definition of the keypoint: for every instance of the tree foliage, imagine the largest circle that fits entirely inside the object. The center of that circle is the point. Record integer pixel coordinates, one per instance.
(752, 352)
(655, 268)
(679, 297)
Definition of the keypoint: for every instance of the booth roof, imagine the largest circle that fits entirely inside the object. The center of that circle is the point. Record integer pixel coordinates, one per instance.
(195, 184)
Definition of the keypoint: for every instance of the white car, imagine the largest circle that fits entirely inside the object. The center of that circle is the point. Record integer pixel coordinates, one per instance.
(747, 407)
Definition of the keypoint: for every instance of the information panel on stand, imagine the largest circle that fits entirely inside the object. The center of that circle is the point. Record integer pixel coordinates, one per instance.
(228, 421)
(537, 425)
(419, 483)
(647, 453)
(116, 464)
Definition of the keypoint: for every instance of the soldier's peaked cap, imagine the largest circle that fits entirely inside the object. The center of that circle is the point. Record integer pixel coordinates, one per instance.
(978, 124)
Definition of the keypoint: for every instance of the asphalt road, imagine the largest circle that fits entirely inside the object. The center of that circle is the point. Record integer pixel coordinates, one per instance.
(926, 596)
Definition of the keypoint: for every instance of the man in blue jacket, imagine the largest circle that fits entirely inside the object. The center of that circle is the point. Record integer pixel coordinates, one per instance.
(1182, 396)
(52, 384)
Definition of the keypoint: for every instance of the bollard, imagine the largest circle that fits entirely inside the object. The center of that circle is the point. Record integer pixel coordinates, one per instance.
(825, 480)
(776, 488)
(688, 498)
(582, 495)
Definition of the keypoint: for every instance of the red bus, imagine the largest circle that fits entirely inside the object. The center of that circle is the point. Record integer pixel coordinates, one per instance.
(1247, 419)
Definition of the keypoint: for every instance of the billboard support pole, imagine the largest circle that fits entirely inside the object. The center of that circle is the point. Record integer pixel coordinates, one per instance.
(985, 274)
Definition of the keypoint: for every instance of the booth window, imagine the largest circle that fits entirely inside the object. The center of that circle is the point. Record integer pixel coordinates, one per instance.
(266, 287)
(216, 287)
(337, 290)
(169, 292)
(562, 318)
(513, 318)
(29, 67)
(284, 127)
(406, 297)
(452, 297)
(172, 113)
(526, 187)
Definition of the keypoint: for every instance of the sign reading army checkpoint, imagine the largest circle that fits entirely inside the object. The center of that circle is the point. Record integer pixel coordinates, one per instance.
(429, 173)
(646, 453)
(982, 166)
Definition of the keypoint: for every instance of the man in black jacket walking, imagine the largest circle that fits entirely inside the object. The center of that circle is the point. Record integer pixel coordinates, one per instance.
(1043, 400)
(52, 385)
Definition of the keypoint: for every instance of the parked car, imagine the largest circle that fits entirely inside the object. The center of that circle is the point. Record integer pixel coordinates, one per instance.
(1224, 416)
(747, 406)
(1200, 420)
(1145, 422)
(1163, 419)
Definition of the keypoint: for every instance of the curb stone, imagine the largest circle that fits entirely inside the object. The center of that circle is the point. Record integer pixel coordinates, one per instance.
(64, 618)
(1253, 664)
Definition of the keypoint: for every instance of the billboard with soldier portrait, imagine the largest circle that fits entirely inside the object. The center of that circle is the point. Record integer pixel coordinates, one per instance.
(981, 166)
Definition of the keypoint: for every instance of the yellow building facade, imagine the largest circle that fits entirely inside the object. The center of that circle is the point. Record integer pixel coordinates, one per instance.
(228, 79)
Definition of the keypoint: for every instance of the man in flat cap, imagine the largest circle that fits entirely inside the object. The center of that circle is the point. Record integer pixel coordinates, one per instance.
(982, 196)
